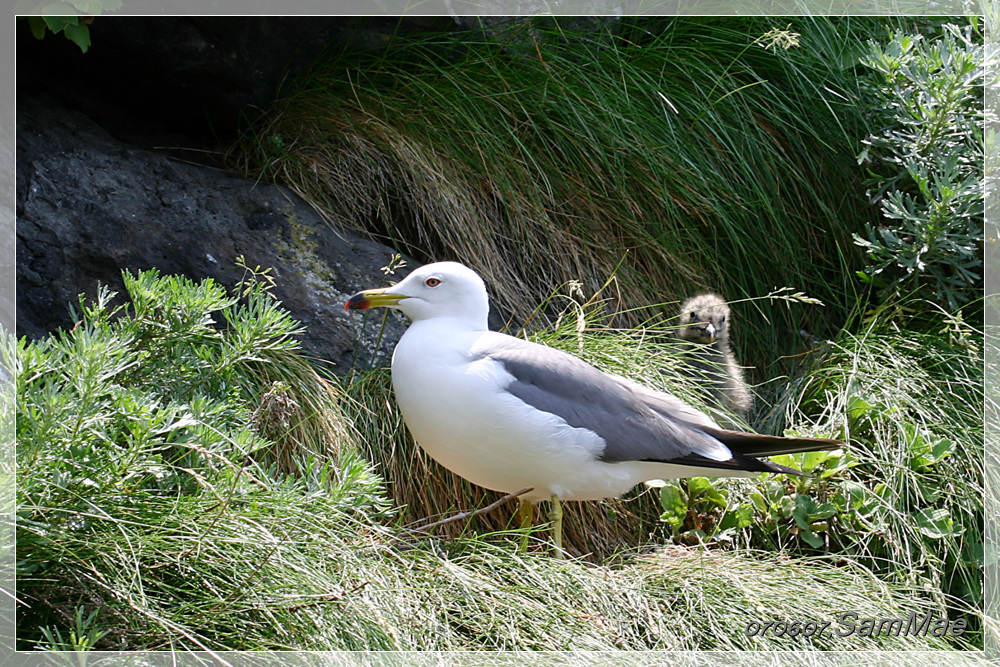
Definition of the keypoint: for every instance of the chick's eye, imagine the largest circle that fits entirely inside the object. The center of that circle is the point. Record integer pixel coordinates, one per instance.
(432, 282)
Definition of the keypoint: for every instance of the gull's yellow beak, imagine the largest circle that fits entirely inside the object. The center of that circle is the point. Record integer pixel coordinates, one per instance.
(373, 298)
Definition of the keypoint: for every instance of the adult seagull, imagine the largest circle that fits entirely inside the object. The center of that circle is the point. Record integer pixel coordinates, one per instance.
(508, 414)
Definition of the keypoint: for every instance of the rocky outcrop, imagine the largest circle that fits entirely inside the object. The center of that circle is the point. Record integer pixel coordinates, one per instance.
(105, 179)
(89, 206)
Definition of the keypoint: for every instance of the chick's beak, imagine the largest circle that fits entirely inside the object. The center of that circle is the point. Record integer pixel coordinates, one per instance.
(373, 298)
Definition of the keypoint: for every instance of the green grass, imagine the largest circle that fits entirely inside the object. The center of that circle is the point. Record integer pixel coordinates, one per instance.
(911, 404)
(678, 153)
(289, 568)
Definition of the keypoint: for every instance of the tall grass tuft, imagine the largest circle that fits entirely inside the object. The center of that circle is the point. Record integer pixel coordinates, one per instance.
(685, 153)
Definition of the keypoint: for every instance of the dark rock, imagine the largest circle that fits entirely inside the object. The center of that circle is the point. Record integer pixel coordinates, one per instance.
(89, 207)
(197, 76)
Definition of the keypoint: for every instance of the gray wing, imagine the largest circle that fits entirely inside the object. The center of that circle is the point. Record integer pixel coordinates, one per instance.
(636, 423)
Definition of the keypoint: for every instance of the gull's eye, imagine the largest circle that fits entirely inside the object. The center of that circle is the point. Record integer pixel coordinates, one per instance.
(432, 282)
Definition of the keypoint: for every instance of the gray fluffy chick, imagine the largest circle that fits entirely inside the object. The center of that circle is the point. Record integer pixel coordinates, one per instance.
(705, 320)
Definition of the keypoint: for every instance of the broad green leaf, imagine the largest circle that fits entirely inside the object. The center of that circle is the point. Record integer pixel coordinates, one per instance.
(942, 449)
(674, 505)
(787, 505)
(812, 460)
(857, 494)
(37, 24)
(858, 407)
(930, 491)
(737, 517)
(702, 489)
(814, 540)
(936, 524)
(773, 490)
(56, 22)
(80, 35)
(804, 507)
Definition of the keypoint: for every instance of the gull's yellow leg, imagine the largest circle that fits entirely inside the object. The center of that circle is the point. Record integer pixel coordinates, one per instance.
(526, 514)
(556, 514)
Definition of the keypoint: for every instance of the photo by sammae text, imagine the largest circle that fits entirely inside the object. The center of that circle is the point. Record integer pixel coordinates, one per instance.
(849, 624)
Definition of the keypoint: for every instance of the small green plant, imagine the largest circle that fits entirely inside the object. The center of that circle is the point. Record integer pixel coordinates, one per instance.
(697, 510)
(82, 636)
(703, 510)
(63, 17)
(801, 507)
(926, 167)
(73, 27)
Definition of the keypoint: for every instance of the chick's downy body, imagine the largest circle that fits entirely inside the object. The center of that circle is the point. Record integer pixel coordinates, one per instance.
(706, 322)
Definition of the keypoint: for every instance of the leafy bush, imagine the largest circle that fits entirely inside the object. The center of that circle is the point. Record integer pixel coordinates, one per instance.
(147, 422)
(926, 167)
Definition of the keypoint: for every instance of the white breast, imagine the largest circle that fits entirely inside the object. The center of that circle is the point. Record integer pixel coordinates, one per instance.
(458, 411)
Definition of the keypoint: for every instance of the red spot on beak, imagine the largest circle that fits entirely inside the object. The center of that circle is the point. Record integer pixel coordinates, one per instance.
(357, 302)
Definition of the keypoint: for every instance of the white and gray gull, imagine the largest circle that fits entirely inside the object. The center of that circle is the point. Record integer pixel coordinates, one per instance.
(508, 414)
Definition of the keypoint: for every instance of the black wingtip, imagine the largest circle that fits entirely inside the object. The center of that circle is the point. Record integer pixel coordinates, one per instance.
(778, 468)
(738, 462)
(756, 444)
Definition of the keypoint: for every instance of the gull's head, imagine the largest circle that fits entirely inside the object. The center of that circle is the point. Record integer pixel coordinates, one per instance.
(704, 319)
(439, 290)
